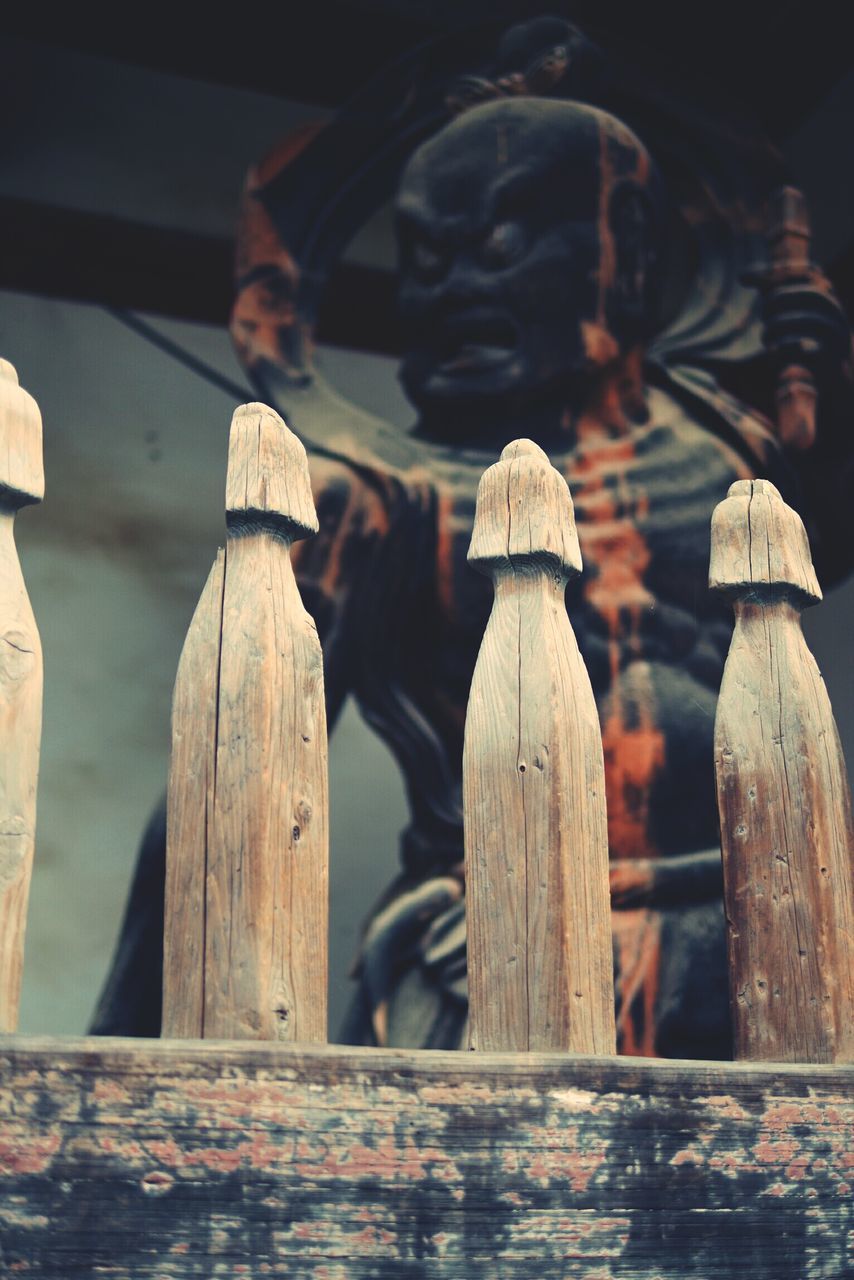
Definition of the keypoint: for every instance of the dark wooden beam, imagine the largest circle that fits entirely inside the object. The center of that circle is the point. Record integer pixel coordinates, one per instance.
(319, 53)
(149, 1158)
(779, 58)
(88, 257)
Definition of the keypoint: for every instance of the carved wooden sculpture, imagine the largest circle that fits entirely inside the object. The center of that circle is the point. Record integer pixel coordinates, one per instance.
(547, 291)
(785, 808)
(538, 914)
(247, 844)
(21, 482)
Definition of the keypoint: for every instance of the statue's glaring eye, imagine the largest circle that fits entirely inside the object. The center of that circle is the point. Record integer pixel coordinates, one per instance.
(506, 242)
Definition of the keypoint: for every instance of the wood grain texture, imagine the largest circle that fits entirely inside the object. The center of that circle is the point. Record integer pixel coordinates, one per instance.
(785, 808)
(540, 957)
(21, 679)
(192, 770)
(153, 1159)
(245, 954)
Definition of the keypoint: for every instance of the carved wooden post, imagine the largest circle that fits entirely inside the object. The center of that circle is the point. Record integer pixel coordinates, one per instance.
(540, 957)
(247, 848)
(21, 482)
(783, 797)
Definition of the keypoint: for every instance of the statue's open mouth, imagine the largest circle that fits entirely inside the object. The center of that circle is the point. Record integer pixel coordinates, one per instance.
(476, 340)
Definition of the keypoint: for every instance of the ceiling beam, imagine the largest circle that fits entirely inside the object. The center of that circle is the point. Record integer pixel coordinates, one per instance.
(778, 56)
(87, 257)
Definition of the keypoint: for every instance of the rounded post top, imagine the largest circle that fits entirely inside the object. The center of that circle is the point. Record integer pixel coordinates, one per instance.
(268, 480)
(524, 512)
(759, 541)
(524, 448)
(21, 464)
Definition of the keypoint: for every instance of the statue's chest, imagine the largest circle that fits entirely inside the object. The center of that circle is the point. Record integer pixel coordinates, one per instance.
(643, 506)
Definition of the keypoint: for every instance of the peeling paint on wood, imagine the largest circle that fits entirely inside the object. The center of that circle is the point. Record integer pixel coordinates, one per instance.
(176, 1159)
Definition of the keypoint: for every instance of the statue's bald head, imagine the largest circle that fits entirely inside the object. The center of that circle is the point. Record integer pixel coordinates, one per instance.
(529, 237)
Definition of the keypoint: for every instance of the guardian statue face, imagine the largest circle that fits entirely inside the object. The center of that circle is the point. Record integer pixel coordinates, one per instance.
(528, 243)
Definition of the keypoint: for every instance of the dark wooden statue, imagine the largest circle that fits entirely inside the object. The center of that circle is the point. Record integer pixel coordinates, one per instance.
(561, 280)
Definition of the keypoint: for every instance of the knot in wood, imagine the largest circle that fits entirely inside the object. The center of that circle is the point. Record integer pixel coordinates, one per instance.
(524, 513)
(760, 542)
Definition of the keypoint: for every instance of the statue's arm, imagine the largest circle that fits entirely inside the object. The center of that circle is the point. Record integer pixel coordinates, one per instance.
(330, 567)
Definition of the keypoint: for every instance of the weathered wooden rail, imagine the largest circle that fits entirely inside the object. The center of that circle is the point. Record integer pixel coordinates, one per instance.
(251, 1148)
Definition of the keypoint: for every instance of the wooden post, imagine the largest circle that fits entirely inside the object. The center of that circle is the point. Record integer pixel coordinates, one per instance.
(247, 849)
(783, 798)
(21, 482)
(540, 958)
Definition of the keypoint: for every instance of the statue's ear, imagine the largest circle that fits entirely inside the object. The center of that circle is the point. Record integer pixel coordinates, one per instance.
(632, 220)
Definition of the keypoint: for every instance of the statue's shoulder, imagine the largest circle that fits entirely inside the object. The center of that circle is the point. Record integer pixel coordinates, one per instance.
(351, 500)
(692, 407)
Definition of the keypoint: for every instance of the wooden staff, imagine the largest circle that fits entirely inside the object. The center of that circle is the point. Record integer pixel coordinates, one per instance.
(540, 959)
(791, 265)
(783, 799)
(247, 848)
(21, 482)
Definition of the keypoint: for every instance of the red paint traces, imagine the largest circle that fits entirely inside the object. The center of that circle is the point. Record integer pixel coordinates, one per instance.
(725, 1105)
(727, 1164)
(326, 1237)
(637, 940)
(463, 1094)
(258, 1152)
(778, 1152)
(561, 1162)
(25, 1154)
(688, 1155)
(110, 1091)
(384, 1161)
(308, 1230)
(129, 1151)
(796, 1171)
(782, 1115)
